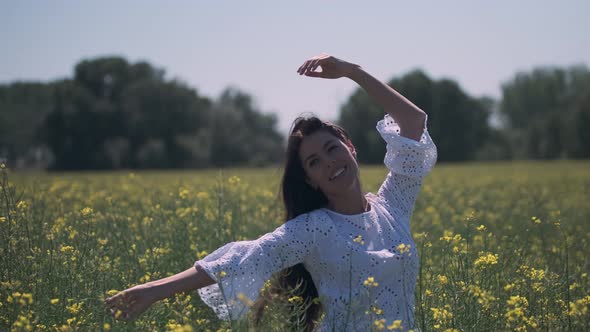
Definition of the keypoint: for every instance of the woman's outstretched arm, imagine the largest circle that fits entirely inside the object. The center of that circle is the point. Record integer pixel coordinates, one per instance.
(409, 117)
(130, 303)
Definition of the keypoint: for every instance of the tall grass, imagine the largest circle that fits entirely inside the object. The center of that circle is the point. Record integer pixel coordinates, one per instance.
(503, 246)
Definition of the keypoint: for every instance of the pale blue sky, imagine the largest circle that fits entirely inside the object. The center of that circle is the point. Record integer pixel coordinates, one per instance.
(257, 46)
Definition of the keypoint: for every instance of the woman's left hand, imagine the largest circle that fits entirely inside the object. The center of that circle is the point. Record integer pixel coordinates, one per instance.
(332, 67)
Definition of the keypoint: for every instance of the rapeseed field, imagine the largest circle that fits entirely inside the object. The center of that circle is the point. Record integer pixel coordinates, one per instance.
(503, 246)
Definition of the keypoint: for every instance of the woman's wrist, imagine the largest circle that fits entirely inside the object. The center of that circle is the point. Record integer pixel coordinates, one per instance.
(354, 72)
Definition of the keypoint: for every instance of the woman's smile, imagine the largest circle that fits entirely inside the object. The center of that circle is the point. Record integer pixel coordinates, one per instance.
(338, 172)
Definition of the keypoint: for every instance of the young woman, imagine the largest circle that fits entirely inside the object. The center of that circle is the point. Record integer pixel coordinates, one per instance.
(352, 251)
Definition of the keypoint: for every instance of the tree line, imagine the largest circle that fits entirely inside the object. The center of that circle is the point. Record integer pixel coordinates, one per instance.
(114, 114)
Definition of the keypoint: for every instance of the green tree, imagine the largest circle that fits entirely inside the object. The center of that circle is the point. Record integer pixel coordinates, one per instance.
(457, 122)
(116, 114)
(23, 106)
(547, 112)
(241, 133)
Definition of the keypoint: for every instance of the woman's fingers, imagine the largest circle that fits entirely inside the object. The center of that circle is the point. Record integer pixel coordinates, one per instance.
(304, 67)
(314, 65)
(309, 65)
(308, 68)
(300, 69)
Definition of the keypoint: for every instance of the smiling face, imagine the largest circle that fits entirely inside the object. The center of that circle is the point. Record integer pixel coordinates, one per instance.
(329, 163)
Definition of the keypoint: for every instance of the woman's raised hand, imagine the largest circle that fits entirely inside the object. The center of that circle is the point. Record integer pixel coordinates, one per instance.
(130, 303)
(332, 67)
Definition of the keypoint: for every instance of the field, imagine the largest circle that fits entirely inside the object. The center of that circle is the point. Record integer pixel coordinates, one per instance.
(503, 246)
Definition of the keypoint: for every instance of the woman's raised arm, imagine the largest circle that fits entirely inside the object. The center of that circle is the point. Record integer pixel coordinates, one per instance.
(409, 116)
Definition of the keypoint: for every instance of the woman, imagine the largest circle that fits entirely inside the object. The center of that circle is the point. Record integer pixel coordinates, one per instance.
(353, 251)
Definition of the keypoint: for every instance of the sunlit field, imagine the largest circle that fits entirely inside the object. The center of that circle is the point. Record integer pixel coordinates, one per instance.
(503, 246)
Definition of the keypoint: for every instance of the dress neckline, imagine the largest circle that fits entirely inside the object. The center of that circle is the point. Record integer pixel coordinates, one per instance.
(357, 215)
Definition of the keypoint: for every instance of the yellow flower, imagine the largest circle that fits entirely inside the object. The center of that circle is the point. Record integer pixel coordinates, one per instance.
(202, 254)
(397, 324)
(222, 274)
(442, 314)
(358, 239)
(86, 211)
(234, 180)
(54, 301)
(403, 248)
(246, 300)
(183, 193)
(66, 249)
(486, 259)
(370, 282)
(265, 287)
(379, 324)
(112, 292)
(443, 280)
(377, 310)
(481, 228)
(2, 219)
(106, 326)
(296, 299)
(74, 308)
(509, 287)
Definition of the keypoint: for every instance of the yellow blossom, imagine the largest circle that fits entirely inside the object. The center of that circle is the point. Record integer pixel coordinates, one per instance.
(295, 299)
(358, 239)
(183, 193)
(403, 248)
(246, 300)
(377, 310)
(379, 324)
(443, 280)
(21, 205)
(370, 282)
(86, 212)
(486, 259)
(396, 325)
(234, 180)
(74, 308)
(66, 249)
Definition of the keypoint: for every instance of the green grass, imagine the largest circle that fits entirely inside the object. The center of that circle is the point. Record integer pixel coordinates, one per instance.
(74, 237)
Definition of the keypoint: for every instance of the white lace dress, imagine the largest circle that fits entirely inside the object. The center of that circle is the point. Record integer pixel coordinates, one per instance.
(341, 252)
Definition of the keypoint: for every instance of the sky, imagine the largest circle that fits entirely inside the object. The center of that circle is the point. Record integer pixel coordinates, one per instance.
(257, 46)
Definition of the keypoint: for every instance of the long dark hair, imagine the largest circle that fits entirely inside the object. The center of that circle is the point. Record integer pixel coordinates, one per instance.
(299, 198)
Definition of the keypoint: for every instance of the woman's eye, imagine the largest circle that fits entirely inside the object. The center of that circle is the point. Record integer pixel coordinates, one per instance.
(313, 162)
(333, 147)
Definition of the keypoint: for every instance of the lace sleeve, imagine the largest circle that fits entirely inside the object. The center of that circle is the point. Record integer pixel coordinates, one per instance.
(408, 162)
(241, 268)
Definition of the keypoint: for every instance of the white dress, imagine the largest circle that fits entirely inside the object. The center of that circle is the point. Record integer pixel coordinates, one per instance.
(324, 241)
